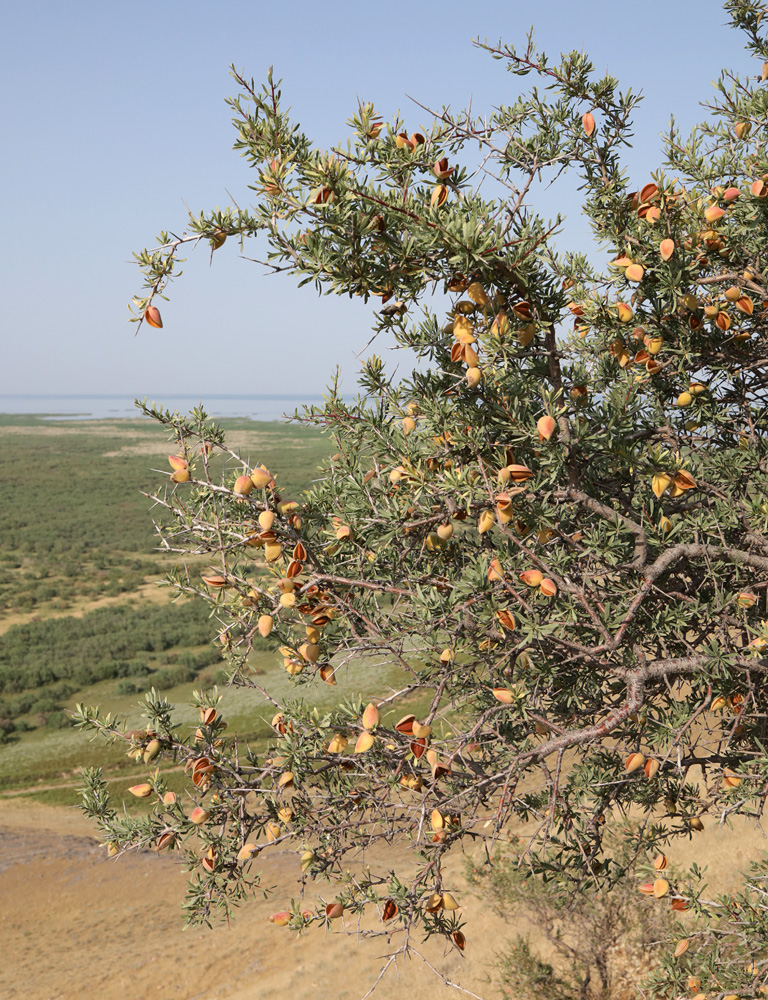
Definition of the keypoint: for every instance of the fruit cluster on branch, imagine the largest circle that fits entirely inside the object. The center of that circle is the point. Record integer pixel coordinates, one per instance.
(547, 548)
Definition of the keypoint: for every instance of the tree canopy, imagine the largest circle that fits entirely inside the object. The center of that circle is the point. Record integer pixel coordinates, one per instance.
(547, 546)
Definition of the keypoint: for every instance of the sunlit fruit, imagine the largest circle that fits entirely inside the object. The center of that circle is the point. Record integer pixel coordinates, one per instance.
(338, 743)
(364, 742)
(666, 249)
(243, 485)
(660, 888)
(261, 477)
(141, 791)
(371, 716)
(504, 695)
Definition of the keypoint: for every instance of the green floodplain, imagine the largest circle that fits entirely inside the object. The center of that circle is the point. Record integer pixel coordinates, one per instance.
(84, 616)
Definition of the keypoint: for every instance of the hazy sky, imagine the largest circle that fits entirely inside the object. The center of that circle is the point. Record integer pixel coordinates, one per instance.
(113, 118)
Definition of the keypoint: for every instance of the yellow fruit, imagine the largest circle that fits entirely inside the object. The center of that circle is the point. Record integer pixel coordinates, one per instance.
(338, 743)
(261, 477)
(273, 551)
(486, 521)
(661, 482)
(364, 742)
(476, 292)
(654, 345)
(474, 377)
(266, 518)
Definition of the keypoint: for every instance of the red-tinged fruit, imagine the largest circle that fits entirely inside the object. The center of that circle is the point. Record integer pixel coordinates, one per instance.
(441, 168)
(243, 485)
(546, 427)
(153, 317)
(141, 791)
(666, 249)
(588, 124)
(371, 716)
(405, 725)
(261, 478)
(634, 762)
(280, 919)
(651, 768)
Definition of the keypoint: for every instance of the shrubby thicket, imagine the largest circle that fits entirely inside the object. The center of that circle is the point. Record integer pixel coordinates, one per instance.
(555, 531)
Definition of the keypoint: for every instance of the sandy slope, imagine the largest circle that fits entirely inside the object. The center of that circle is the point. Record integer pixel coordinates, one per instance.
(77, 926)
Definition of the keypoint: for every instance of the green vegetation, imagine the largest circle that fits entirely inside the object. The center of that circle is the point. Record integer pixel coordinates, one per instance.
(75, 529)
(74, 524)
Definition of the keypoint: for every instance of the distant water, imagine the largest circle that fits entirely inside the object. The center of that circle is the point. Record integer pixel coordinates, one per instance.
(70, 407)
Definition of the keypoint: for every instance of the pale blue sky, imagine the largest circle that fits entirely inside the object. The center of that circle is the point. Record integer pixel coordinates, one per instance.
(113, 117)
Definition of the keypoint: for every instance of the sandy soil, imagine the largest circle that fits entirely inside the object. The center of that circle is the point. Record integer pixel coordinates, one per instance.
(75, 925)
